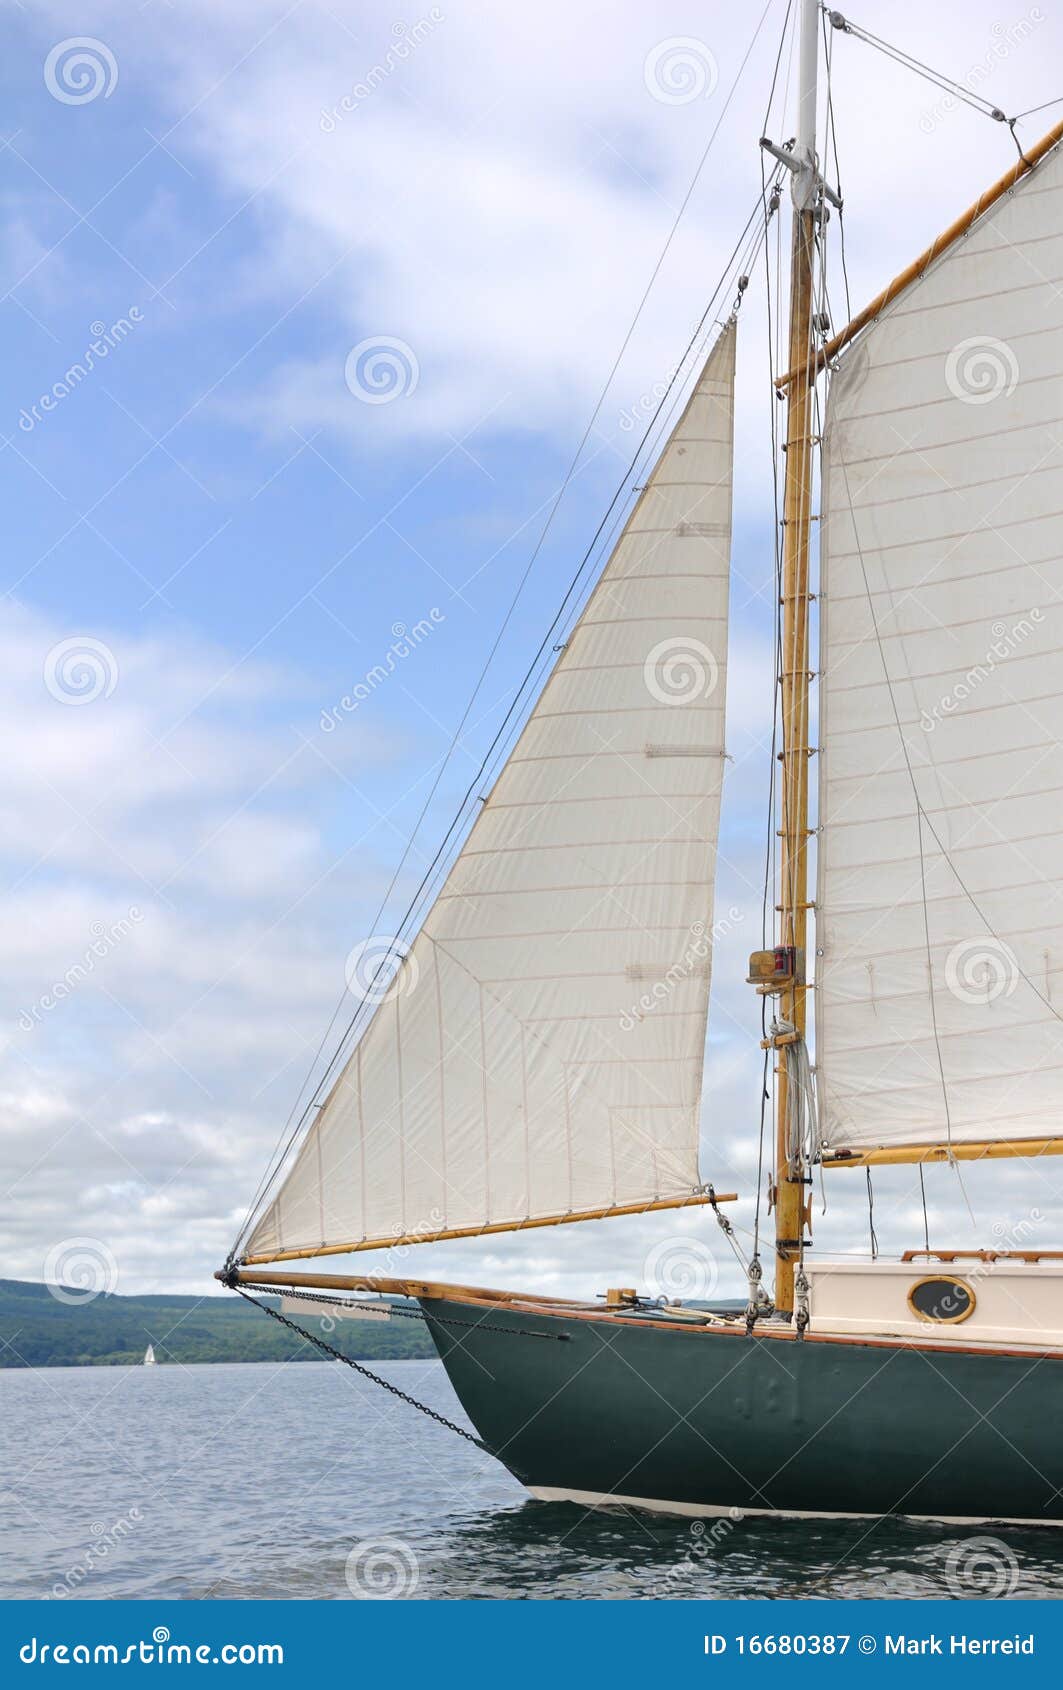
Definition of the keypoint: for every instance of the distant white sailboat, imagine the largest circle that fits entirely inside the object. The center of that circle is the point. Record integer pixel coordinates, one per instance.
(149, 1357)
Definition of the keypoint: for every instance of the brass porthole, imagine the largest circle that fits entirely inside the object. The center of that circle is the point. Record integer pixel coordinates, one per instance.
(941, 1299)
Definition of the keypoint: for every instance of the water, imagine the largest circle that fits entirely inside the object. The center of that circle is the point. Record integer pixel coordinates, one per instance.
(272, 1481)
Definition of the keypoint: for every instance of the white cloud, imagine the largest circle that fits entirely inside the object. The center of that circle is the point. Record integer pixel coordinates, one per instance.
(498, 203)
(167, 963)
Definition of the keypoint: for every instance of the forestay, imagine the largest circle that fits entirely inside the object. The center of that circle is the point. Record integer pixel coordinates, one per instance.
(539, 1053)
(940, 900)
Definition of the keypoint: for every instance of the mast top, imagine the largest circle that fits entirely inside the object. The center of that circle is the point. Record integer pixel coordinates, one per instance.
(800, 156)
(912, 272)
(804, 181)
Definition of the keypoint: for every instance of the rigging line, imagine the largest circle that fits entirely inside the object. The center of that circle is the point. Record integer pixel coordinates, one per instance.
(871, 1215)
(290, 1132)
(266, 1178)
(1012, 121)
(926, 1219)
(331, 1300)
(776, 532)
(729, 1233)
(921, 816)
(778, 63)
(765, 1098)
(597, 552)
(594, 561)
(774, 307)
(772, 871)
(988, 925)
(908, 61)
(832, 132)
(1033, 110)
(918, 809)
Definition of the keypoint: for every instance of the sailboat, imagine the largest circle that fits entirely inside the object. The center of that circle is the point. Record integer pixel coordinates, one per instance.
(149, 1357)
(536, 1056)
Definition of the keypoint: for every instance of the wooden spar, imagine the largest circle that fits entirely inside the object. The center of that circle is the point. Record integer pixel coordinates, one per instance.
(378, 1283)
(495, 1226)
(983, 1255)
(906, 1154)
(793, 681)
(794, 677)
(912, 273)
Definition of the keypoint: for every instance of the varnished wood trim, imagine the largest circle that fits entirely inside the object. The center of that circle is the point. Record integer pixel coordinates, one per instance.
(983, 1255)
(384, 1284)
(763, 1331)
(944, 1319)
(987, 1150)
(402, 1241)
(562, 1308)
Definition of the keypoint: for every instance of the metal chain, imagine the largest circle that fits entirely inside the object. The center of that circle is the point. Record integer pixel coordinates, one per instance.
(366, 1373)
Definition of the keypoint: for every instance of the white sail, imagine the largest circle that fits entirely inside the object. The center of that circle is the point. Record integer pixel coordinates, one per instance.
(149, 1357)
(540, 1050)
(940, 899)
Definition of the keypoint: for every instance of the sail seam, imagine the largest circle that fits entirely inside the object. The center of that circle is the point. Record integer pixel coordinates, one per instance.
(604, 798)
(589, 715)
(1004, 1026)
(918, 409)
(537, 891)
(441, 1065)
(918, 807)
(854, 1093)
(639, 667)
(631, 622)
(681, 844)
(920, 447)
(998, 710)
(971, 250)
(1049, 466)
(984, 570)
(948, 810)
(557, 932)
(400, 1136)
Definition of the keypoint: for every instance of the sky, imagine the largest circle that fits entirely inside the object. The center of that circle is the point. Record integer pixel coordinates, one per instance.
(364, 280)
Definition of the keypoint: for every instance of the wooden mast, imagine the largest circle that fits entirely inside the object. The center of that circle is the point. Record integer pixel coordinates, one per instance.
(912, 272)
(794, 675)
(798, 382)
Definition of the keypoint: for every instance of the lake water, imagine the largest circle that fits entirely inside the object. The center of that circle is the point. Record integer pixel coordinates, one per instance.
(302, 1480)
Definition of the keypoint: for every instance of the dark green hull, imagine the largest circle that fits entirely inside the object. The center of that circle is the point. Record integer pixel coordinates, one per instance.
(601, 1408)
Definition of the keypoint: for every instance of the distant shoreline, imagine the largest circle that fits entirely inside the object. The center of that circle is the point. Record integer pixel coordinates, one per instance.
(57, 1326)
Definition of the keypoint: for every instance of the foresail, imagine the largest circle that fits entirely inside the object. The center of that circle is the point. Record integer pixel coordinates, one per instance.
(539, 1054)
(939, 1005)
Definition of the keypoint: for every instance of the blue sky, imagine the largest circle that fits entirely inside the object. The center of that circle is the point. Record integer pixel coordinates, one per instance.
(243, 534)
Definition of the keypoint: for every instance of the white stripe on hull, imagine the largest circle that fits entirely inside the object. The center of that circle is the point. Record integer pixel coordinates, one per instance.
(715, 1511)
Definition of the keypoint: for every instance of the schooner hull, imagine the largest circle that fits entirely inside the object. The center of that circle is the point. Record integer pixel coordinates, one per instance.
(709, 1421)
